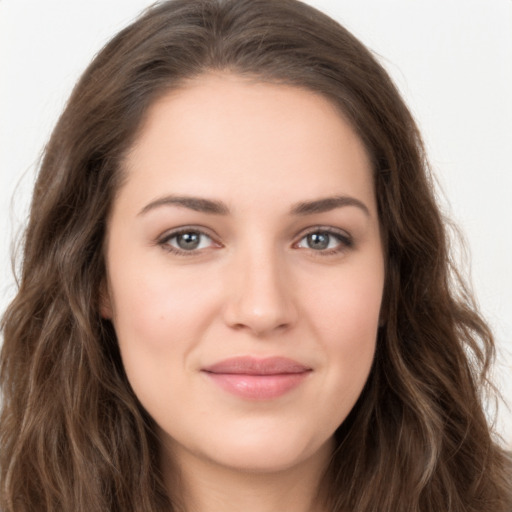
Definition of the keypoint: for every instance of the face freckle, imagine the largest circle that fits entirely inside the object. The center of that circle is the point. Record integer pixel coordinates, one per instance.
(245, 272)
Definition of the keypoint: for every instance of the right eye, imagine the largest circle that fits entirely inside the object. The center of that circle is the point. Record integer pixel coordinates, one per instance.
(186, 241)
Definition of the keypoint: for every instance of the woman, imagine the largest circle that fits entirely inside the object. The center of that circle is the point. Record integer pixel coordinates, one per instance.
(236, 292)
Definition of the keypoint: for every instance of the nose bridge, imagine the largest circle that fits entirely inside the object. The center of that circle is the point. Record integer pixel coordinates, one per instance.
(260, 296)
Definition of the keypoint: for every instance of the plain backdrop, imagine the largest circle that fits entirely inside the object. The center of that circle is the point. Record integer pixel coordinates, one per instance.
(452, 60)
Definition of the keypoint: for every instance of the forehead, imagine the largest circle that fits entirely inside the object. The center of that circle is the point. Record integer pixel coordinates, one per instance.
(223, 134)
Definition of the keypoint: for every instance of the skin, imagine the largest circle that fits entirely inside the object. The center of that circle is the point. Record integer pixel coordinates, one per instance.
(256, 285)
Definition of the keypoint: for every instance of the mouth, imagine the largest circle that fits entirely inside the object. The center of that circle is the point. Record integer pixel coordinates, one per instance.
(257, 379)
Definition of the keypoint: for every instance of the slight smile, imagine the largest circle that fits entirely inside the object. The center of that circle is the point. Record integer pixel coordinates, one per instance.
(257, 379)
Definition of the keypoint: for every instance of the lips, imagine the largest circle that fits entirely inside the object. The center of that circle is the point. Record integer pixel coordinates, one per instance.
(257, 379)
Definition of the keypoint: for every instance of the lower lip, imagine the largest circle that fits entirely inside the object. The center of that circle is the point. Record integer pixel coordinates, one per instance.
(258, 387)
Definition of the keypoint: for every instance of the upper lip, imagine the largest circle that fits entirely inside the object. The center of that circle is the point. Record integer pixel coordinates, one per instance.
(249, 365)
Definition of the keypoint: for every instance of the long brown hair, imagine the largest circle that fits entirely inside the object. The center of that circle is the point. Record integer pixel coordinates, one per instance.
(73, 436)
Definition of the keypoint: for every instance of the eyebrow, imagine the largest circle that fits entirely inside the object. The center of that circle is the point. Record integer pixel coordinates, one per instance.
(327, 204)
(215, 207)
(197, 204)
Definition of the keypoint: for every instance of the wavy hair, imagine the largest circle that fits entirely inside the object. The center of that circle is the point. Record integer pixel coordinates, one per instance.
(74, 437)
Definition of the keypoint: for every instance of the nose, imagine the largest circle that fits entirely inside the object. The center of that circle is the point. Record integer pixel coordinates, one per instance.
(260, 297)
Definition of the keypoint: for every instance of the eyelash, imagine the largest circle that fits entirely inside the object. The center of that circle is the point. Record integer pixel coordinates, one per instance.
(345, 241)
(164, 241)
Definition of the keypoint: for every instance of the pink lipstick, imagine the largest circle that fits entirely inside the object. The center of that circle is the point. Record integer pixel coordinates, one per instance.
(257, 379)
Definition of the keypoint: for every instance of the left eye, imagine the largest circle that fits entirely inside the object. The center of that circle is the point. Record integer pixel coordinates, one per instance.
(188, 241)
(323, 240)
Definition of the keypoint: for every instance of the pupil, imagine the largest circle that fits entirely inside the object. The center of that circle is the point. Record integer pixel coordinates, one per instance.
(318, 240)
(188, 241)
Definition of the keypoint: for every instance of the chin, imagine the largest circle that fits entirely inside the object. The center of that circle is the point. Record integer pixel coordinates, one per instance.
(271, 453)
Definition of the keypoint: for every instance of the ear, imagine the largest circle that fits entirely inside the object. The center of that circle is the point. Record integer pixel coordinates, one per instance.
(105, 302)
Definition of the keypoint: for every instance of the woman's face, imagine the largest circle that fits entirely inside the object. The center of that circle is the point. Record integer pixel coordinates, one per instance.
(245, 272)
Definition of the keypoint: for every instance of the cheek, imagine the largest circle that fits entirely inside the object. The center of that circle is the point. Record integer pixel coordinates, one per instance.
(160, 318)
(157, 319)
(153, 307)
(347, 307)
(346, 319)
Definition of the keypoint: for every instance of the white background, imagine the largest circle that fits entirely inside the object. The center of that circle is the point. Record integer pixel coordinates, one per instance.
(452, 60)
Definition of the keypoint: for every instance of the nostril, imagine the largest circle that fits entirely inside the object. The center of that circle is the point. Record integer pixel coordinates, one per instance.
(258, 321)
(258, 297)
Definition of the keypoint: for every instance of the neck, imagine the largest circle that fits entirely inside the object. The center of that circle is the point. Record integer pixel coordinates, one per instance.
(199, 485)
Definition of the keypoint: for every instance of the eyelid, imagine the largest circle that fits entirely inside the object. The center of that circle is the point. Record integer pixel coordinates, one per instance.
(345, 239)
(325, 229)
(163, 239)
